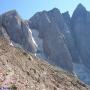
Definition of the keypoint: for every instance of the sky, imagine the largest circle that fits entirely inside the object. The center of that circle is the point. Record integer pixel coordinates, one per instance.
(27, 8)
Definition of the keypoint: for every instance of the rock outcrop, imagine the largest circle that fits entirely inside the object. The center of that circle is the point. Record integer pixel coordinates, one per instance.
(80, 24)
(50, 40)
(69, 39)
(17, 30)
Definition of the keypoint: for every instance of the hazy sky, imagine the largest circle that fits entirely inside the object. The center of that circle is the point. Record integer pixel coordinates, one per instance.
(26, 8)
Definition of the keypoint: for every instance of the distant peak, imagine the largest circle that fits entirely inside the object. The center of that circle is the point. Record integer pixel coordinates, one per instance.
(55, 10)
(80, 11)
(11, 12)
(66, 13)
(80, 7)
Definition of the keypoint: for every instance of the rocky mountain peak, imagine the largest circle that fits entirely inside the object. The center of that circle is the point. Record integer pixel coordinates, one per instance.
(50, 25)
(80, 11)
(55, 13)
(66, 13)
(12, 26)
(80, 6)
(55, 10)
(71, 41)
(12, 13)
(67, 18)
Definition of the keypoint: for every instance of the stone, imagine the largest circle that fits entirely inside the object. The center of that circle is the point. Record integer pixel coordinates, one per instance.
(52, 33)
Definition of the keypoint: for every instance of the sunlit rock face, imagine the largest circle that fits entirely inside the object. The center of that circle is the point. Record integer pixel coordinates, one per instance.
(12, 26)
(52, 30)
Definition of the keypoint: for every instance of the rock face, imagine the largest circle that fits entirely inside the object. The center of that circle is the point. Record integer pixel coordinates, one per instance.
(53, 30)
(17, 30)
(70, 40)
(65, 38)
(80, 23)
(46, 39)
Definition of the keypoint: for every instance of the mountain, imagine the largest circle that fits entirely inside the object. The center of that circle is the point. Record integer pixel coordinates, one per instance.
(59, 39)
(74, 33)
(80, 24)
(81, 29)
(51, 28)
(20, 70)
(18, 32)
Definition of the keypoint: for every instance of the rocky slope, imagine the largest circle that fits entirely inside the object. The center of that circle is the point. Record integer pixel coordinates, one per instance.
(22, 71)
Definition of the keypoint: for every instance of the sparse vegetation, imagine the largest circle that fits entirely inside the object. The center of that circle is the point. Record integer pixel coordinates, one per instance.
(13, 87)
(24, 53)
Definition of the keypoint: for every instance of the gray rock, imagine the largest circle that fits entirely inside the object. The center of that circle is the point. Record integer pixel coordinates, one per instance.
(51, 29)
(81, 32)
(70, 39)
(18, 30)
(67, 18)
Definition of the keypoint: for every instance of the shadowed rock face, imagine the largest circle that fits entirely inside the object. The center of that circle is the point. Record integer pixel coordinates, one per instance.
(67, 19)
(17, 30)
(69, 39)
(53, 30)
(80, 23)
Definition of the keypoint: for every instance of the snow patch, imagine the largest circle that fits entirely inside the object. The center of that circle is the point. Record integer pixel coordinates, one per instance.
(11, 44)
(47, 18)
(67, 31)
(34, 42)
(35, 54)
(33, 38)
(39, 43)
